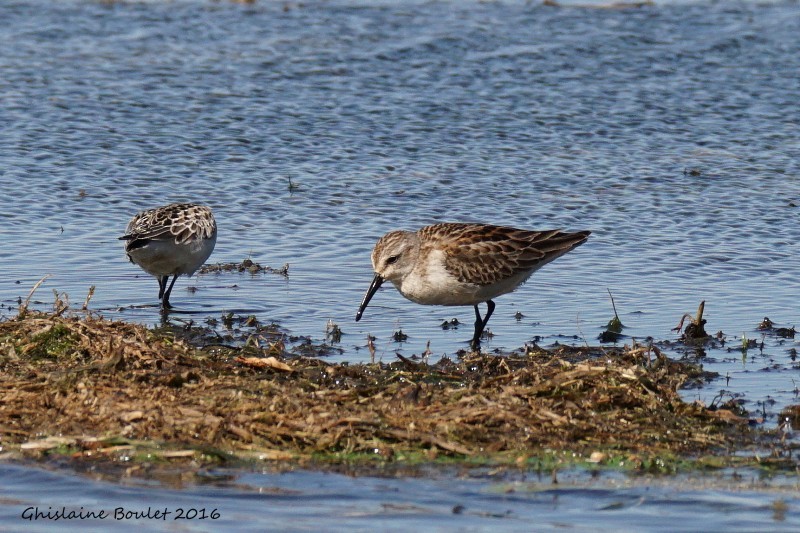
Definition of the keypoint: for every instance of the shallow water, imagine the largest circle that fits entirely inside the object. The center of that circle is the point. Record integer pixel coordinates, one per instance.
(669, 131)
(301, 501)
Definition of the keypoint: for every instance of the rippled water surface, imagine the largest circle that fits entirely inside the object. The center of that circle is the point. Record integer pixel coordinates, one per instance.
(311, 129)
(310, 501)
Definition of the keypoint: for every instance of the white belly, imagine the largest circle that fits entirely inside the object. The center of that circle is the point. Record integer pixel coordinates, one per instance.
(434, 285)
(166, 258)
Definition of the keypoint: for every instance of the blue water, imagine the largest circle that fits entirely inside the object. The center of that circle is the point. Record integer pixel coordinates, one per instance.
(670, 131)
(311, 501)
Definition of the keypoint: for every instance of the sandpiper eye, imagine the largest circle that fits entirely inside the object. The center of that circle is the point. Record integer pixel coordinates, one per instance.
(392, 260)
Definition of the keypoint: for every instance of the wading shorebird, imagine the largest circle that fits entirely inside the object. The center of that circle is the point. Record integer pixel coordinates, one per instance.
(171, 240)
(464, 264)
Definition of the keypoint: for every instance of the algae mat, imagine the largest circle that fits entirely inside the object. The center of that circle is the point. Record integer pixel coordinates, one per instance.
(76, 384)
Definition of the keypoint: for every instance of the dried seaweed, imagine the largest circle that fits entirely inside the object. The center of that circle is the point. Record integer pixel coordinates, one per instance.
(92, 384)
(247, 265)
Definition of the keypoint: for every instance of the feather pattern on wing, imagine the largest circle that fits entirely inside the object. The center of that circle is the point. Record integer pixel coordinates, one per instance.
(484, 254)
(181, 223)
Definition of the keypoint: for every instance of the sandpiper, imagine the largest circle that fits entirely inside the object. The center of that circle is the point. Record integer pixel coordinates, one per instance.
(171, 240)
(464, 264)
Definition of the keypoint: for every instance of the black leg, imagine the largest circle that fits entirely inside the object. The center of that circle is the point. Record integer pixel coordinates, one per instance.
(476, 338)
(480, 324)
(489, 311)
(165, 301)
(162, 284)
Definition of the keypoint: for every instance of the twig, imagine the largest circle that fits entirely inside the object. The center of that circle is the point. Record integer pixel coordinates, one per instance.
(88, 298)
(679, 327)
(371, 347)
(699, 317)
(613, 305)
(24, 307)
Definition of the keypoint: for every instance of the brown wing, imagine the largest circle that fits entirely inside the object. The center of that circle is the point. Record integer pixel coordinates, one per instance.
(485, 254)
(145, 227)
(180, 222)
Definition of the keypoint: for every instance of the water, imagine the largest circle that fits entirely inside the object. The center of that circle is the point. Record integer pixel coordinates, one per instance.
(669, 131)
(301, 501)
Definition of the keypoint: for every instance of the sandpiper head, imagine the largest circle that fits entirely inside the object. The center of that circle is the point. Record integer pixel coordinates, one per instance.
(394, 255)
(392, 258)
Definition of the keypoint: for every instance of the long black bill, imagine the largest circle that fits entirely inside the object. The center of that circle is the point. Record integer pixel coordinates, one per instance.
(377, 281)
